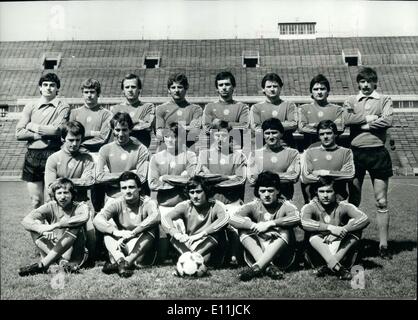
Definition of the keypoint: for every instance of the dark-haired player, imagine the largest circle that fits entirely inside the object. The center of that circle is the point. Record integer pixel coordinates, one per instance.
(266, 227)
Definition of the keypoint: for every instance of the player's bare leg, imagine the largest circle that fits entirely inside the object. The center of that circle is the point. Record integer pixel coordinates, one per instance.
(354, 188)
(346, 245)
(141, 246)
(253, 247)
(205, 248)
(63, 244)
(36, 193)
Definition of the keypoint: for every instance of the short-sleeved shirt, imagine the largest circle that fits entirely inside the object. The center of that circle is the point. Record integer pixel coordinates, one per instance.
(235, 113)
(285, 111)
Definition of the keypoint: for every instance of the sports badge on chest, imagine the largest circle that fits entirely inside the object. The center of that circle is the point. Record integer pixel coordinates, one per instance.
(268, 216)
(327, 218)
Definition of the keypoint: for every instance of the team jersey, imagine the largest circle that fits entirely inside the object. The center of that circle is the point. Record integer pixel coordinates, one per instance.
(231, 164)
(95, 119)
(338, 160)
(361, 105)
(165, 163)
(63, 164)
(48, 117)
(170, 112)
(312, 113)
(75, 216)
(211, 219)
(285, 216)
(235, 113)
(285, 111)
(133, 156)
(142, 217)
(142, 114)
(316, 219)
(285, 162)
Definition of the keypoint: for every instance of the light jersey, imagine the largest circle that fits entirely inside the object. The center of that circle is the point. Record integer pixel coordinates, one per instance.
(143, 112)
(235, 163)
(54, 114)
(286, 215)
(145, 217)
(75, 216)
(315, 219)
(165, 163)
(375, 104)
(285, 111)
(338, 160)
(169, 112)
(235, 113)
(211, 220)
(311, 114)
(132, 156)
(95, 119)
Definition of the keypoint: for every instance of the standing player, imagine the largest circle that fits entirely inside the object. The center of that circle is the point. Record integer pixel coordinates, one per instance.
(273, 107)
(368, 145)
(275, 158)
(333, 229)
(142, 113)
(39, 125)
(226, 108)
(327, 160)
(133, 234)
(179, 110)
(93, 117)
(204, 220)
(62, 238)
(266, 227)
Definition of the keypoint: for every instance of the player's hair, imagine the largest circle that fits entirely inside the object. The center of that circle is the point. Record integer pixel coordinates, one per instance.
(322, 182)
(123, 118)
(62, 183)
(221, 125)
(51, 77)
(321, 79)
(327, 124)
(129, 175)
(91, 84)
(74, 127)
(367, 74)
(266, 179)
(131, 76)
(274, 124)
(271, 76)
(223, 75)
(178, 77)
(196, 181)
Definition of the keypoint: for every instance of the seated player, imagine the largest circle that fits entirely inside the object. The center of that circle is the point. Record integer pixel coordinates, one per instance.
(327, 160)
(334, 229)
(142, 113)
(133, 234)
(266, 227)
(62, 237)
(226, 108)
(275, 158)
(273, 107)
(204, 220)
(179, 110)
(167, 170)
(222, 159)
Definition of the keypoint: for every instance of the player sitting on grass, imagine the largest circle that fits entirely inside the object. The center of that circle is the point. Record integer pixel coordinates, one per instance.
(266, 226)
(132, 235)
(204, 220)
(333, 229)
(62, 238)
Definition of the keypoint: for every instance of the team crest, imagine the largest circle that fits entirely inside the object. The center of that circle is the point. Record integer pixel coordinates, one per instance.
(274, 113)
(267, 216)
(320, 114)
(179, 113)
(328, 157)
(327, 218)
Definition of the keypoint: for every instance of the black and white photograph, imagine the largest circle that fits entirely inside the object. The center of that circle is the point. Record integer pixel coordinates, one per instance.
(208, 150)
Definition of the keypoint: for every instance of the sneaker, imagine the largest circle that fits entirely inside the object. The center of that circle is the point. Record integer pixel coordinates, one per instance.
(274, 272)
(384, 253)
(32, 269)
(110, 268)
(124, 270)
(343, 274)
(322, 271)
(250, 273)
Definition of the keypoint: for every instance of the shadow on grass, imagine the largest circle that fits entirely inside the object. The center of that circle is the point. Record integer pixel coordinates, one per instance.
(371, 247)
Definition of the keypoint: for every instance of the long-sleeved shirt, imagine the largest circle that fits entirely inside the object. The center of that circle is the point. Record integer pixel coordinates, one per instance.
(210, 220)
(48, 117)
(374, 104)
(286, 215)
(315, 218)
(231, 164)
(235, 113)
(74, 216)
(93, 119)
(139, 219)
(311, 114)
(338, 160)
(165, 163)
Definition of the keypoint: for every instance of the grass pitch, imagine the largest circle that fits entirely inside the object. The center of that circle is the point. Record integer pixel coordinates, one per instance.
(383, 279)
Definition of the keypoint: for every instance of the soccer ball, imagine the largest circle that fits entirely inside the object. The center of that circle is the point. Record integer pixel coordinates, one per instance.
(191, 264)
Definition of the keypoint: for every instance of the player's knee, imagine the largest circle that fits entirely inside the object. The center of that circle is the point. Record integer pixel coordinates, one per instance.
(381, 204)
